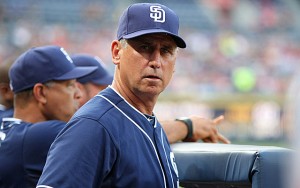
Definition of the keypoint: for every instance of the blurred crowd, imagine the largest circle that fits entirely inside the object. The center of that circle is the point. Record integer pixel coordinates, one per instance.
(234, 46)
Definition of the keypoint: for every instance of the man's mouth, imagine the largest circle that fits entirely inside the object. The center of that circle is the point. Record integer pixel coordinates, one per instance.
(152, 77)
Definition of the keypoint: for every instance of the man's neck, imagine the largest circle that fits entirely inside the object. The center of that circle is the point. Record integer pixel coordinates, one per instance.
(143, 103)
(30, 113)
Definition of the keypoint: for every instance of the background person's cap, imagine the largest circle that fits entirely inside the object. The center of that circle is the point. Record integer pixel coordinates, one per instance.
(145, 18)
(42, 64)
(100, 77)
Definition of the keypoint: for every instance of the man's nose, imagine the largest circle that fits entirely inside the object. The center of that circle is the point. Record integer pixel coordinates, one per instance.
(78, 92)
(155, 59)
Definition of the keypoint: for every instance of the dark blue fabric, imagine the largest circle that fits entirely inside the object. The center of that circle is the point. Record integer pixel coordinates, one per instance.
(101, 147)
(145, 18)
(228, 165)
(100, 76)
(42, 64)
(24, 150)
(6, 113)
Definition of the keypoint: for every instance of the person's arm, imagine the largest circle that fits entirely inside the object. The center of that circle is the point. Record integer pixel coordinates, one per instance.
(202, 129)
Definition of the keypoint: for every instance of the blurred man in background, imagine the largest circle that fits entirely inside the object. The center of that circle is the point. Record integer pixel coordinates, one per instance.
(6, 95)
(46, 95)
(91, 84)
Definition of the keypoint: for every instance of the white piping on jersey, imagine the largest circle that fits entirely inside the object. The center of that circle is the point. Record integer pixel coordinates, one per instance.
(14, 121)
(43, 186)
(2, 107)
(130, 104)
(142, 132)
(162, 140)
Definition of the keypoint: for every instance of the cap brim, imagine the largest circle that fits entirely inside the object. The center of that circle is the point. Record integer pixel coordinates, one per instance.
(77, 72)
(178, 40)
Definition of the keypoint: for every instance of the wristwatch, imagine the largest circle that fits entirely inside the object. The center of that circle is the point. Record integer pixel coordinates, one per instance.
(189, 124)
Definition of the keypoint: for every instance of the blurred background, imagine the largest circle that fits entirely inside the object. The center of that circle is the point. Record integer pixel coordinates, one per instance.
(240, 58)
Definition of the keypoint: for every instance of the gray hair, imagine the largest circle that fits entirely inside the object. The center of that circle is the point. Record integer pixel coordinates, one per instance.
(124, 43)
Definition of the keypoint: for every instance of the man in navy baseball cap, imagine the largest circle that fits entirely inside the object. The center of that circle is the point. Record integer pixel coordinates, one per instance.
(146, 18)
(6, 94)
(42, 64)
(46, 96)
(120, 121)
(93, 83)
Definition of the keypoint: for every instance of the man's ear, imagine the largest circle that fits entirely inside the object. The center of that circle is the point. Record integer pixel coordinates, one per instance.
(9, 94)
(39, 93)
(3, 89)
(115, 50)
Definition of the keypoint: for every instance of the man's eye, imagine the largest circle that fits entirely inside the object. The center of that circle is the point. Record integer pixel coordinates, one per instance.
(71, 84)
(166, 51)
(145, 47)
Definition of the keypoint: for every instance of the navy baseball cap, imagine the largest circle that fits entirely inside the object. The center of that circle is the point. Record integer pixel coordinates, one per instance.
(101, 76)
(146, 18)
(42, 64)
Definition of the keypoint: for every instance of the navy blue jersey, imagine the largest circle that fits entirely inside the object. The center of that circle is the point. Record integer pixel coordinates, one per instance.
(109, 143)
(24, 150)
(6, 113)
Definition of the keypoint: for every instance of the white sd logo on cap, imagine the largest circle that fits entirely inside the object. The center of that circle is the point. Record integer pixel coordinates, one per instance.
(66, 54)
(157, 13)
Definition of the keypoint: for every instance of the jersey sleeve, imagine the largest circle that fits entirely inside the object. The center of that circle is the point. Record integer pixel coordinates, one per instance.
(81, 156)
